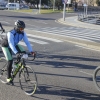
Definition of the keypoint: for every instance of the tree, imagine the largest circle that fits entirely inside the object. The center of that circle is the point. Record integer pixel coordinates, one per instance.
(37, 2)
(98, 2)
(58, 3)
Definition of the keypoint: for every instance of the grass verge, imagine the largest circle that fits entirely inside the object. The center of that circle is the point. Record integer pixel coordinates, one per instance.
(42, 11)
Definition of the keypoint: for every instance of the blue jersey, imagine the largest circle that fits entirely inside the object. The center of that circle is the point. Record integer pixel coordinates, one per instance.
(14, 38)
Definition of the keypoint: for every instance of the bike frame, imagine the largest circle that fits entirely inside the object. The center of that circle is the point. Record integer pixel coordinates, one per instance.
(19, 65)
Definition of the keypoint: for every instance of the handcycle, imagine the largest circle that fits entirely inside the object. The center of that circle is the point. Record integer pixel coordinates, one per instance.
(96, 77)
(27, 76)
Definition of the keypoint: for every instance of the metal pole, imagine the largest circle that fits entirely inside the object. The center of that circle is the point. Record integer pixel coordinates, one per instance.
(86, 10)
(40, 6)
(8, 4)
(14, 5)
(54, 5)
(64, 11)
(68, 7)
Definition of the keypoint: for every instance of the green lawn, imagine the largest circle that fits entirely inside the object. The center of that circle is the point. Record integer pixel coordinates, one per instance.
(42, 11)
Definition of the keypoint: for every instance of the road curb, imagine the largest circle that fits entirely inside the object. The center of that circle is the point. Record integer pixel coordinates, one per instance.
(72, 21)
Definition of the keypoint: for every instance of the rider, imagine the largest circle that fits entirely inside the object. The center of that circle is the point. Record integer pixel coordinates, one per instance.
(10, 43)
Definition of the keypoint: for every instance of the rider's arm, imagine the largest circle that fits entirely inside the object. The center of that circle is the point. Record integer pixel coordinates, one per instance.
(25, 38)
(10, 37)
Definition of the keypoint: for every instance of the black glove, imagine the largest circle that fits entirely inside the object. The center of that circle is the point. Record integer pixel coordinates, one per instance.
(3, 30)
(18, 55)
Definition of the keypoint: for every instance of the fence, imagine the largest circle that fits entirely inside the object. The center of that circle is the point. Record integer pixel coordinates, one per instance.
(92, 16)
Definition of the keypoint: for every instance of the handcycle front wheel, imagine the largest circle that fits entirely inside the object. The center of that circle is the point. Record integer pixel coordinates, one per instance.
(28, 80)
(3, 70)
(96, 78)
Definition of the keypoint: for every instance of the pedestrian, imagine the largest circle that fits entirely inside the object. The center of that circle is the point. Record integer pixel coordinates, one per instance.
(75, 5)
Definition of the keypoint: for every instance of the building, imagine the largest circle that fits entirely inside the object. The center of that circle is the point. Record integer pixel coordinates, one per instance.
(88, 2)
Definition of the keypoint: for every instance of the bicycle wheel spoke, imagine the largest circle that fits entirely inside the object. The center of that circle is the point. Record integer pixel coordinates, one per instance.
(28, 81)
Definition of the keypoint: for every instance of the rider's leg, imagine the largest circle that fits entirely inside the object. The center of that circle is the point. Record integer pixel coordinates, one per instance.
(8, 56)
(20, 48)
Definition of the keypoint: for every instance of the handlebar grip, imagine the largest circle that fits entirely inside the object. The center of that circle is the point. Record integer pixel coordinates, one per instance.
(32, 57)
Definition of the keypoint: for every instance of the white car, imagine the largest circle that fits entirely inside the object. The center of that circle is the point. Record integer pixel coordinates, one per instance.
(2, 6)
(12, 6)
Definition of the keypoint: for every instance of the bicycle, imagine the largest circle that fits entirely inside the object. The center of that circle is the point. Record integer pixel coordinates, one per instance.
(27, 76)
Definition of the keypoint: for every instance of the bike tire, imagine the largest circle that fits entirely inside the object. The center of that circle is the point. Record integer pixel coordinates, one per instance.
(3, 70)
(28, 80)
(96, 78)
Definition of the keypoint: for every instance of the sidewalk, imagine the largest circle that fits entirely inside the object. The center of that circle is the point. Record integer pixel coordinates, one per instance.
(72, 21)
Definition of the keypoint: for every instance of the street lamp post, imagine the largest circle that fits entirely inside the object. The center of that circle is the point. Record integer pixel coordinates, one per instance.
(54, 5)
(39, 6)
(14, 5)
(64, 11)
(8, 4)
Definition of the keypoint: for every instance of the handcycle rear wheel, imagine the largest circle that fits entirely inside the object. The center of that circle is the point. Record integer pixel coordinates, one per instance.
(3, 70)
(96, 78)
(28, 80)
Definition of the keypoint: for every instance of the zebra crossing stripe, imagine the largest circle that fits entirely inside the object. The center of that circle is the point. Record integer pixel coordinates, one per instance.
(34, 40)
(37, 41)
(46, 38)
(22, 43)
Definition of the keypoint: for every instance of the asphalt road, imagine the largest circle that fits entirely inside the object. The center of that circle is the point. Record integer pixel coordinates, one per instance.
(64, 70)
(31, 20)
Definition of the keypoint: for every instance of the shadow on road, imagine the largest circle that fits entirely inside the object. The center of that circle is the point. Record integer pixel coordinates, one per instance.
(67, 61)
(28, 17)
(67, 93)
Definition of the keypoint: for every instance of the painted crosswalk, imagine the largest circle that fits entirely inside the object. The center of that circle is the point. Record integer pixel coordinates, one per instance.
(38, 40)
(75, 32)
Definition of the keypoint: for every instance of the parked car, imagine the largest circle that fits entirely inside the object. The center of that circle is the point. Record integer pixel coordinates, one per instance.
(12, 6)
(24, 7)
(2, 7)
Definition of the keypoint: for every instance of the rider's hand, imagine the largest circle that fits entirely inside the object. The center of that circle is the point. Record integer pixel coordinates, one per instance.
(33, 53)
(18, 55)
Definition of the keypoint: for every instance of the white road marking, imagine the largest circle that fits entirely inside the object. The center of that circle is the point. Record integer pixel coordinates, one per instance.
(5, 22)
(22, 43)
(86, 73)
(46, 38)
(87, 48)
(37, 41)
